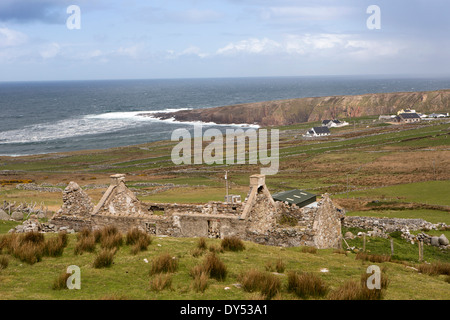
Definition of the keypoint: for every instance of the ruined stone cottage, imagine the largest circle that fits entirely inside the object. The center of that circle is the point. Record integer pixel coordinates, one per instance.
(259, 218)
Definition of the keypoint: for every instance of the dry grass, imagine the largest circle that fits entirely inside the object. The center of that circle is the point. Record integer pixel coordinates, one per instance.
(435, 268)
(306, 285)
(161, 282)
(61, 282)
(215, 267)
(278, 266)
(215, 249)
(307, 249)
(164, 263)
(232, 244)
(105, 258)
(267, 284)
(377, 258)
(85, 244)
(111, 240)
(352, 290)
(201, 244)
(4, 262)
(200, 282)
(138, 239)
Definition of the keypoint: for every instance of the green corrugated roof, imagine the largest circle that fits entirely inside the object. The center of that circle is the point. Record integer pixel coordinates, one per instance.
(294, 196)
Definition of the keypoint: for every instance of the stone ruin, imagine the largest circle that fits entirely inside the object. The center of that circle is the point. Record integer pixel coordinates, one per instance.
(257, 219)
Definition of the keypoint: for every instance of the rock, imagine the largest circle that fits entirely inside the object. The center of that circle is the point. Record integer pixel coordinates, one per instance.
(17, 215)
(4, 215)
(435, 241)
(349, 235)
(443, 240)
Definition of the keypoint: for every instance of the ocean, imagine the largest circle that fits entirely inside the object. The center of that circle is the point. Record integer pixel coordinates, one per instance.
(48, 117)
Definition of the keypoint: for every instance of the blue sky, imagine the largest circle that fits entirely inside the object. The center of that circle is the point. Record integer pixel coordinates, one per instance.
(136, 39)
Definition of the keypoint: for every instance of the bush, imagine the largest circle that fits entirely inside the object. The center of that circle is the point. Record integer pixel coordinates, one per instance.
(161, 282)
(268, 284)
(232, 244)
(164, 263)
(85, 244)
(61, 282)
(105, 258)
(305, 285)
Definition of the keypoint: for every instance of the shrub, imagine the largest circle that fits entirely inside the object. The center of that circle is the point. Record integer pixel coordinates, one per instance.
(268, 284)
(4, 262)
(28, 252)
(164, 263)
(215, 267)
(61, 281)
(86, 244)
(134, 235)
(105, 258)
(232, 244)
(306, 284)
(161, 282)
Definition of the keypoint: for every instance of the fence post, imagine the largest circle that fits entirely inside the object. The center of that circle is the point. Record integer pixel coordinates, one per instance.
(420, 251)
(392, 247)
(364, 242)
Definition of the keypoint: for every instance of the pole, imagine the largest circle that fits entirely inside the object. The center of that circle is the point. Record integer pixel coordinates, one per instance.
(226, 184)
(392, 247)
(364, 243)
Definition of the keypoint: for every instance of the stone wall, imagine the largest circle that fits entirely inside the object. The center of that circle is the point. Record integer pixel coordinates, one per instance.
(388, 225)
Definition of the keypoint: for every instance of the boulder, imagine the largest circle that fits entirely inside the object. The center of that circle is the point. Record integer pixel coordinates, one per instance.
(349, 235)
(435, 241)
(17, 215)
(4, 215)
(443, 240)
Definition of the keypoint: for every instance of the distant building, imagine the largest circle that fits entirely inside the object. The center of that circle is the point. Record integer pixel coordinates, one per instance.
(408, 117)
(317, 132)
(334, 123)
(438, 115)
(406, 111)
(298, 197)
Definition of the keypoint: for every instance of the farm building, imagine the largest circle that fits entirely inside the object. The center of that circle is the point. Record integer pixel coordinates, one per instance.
(334, 123)
(408, 117)
(298, 197)
(317, 132)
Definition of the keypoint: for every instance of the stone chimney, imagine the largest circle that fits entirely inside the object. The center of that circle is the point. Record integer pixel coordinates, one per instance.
(116, 178)
(257, 180)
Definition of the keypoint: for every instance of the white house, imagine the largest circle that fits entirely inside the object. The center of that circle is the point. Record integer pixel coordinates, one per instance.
(317, 132)
(334, 123)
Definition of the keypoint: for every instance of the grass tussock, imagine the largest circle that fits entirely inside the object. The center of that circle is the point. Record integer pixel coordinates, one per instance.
(164, 263)
(352, 290)
(277, 266)
(111, 241)
(340, 251)
(232, 244)
(311, 250)
(266, 283)
(435, 268)
(306, 285)
(4, 262)
(376, 258)
(201, 244)
(61, 281)
(85, 244)
(139, 240)
(160, 282)
(215, 249)
(105, 258)
(212, 266)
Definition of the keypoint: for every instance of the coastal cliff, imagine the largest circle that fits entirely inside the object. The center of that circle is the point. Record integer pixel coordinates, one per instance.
(292, 111)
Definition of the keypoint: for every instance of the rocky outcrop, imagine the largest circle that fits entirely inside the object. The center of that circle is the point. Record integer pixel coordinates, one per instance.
(292, 111)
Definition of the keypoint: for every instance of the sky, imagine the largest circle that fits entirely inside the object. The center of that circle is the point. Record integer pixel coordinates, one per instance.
(137, 39)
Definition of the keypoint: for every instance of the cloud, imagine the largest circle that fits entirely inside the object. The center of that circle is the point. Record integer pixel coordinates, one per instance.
(251, 46)
(305, 13)
(11, 38)
(50, 50)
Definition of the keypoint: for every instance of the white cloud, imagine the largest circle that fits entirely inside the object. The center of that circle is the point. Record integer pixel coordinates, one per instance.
(11, 38)
(50, 50)
(252, 46)
(305, 13)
